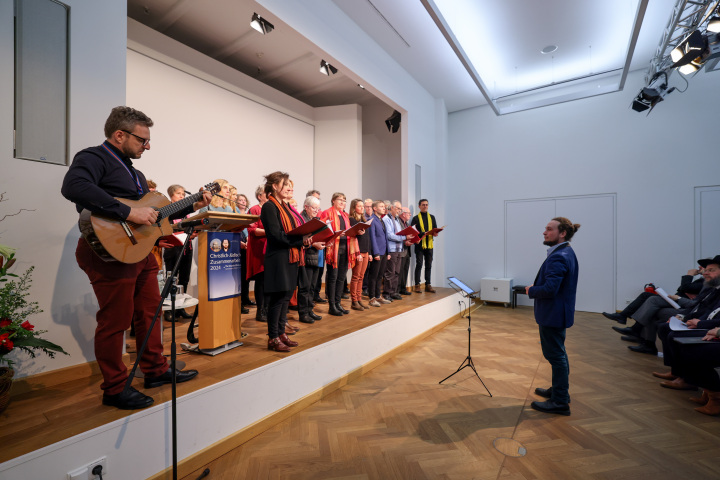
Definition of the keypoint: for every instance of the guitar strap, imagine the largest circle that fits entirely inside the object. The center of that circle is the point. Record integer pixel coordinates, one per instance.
(132, 173)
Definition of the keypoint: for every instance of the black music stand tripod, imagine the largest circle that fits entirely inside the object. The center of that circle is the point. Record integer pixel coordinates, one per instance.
(468, 362)
(169, 290)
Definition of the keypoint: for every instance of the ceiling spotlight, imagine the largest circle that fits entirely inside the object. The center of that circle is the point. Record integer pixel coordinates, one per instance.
(393, 122)
(260, 24)
(689, 49)
(653, 94)
(327, 69)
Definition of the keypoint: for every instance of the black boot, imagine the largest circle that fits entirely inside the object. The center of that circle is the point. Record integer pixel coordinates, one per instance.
(333, 310)
(261, 315)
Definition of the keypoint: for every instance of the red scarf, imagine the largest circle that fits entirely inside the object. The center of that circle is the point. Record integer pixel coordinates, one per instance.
(331, 256)
(287, 224)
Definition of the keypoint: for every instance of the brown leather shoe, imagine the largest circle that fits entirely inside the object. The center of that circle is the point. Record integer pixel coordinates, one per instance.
(365, 307)
(713, 405)
(290, 343)
(701, 400)
(678, 384)
(664, 376)
(277, 345)
(357, 306)
(418, 289)
(429, 289)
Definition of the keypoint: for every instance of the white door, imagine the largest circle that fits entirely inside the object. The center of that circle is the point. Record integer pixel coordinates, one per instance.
(707, 226)
(594, 245)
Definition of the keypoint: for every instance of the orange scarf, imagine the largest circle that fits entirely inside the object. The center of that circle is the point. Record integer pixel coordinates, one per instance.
(333, 249)
(287, 224)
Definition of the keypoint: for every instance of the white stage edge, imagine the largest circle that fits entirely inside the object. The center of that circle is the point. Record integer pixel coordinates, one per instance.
(139, 446)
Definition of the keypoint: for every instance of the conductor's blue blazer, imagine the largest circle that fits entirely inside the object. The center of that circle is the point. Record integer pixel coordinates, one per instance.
(555, 289)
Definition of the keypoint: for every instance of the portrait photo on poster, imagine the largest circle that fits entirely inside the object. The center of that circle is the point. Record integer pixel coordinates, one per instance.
(224, 261)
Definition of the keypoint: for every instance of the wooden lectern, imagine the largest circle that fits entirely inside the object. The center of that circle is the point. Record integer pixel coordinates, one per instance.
(219, 324)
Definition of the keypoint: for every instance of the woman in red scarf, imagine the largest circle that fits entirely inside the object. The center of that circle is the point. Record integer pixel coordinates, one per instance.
(255, 255)
(338, 254)
(283, 255)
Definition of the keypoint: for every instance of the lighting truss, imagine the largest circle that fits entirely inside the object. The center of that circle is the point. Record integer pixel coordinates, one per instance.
(686, 17)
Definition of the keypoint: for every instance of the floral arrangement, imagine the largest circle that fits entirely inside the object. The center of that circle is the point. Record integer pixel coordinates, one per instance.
(16, 332)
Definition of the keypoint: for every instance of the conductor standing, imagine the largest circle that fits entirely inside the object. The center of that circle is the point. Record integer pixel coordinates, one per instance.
(554, 292)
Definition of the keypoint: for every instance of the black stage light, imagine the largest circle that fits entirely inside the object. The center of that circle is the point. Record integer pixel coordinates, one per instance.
(260, 24)
(327, 69)
(393, 122)
(688, 51)
(653, 94)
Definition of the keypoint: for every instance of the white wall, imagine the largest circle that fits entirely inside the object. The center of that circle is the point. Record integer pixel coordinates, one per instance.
(212, 121)
(338, 153)
(382, 155)
(47, 235)
(592, 146)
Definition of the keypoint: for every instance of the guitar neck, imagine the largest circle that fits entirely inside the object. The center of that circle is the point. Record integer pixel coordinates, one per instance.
(173, 208)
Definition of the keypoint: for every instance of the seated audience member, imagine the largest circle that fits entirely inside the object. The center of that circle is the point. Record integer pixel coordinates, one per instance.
(696, 365)
(690, 286)
(395, 249)
(356, 216)
(655, 310)
(379, 248)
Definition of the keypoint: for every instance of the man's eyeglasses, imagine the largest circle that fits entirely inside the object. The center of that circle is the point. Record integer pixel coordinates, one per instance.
(144, 141)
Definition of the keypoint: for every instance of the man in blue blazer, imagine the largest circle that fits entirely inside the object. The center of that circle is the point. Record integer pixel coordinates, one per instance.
(554, 292)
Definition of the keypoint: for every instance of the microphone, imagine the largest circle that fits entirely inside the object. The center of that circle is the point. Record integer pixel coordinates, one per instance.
(194, 223)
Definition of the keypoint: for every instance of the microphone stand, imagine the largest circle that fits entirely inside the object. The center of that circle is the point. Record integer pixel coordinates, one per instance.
(169, 289)
(468, 362)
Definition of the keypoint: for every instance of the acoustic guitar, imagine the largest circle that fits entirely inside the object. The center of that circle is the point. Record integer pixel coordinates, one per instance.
(113, 239)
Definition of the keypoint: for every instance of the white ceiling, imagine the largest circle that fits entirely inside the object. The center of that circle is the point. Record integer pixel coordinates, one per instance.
(586, 32)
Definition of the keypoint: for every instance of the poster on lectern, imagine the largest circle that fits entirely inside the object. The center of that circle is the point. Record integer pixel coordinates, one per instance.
(224, 257)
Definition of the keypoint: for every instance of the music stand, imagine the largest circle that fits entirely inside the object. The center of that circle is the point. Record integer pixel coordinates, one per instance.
(468, 294)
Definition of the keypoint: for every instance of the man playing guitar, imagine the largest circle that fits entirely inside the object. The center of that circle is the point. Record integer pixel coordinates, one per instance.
(96, 179)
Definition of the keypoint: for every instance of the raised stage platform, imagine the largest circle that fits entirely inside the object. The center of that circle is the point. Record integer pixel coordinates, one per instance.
(48, 432)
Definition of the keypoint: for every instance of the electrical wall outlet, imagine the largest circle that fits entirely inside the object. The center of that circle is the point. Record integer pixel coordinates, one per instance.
(103, 463)
(85, 473)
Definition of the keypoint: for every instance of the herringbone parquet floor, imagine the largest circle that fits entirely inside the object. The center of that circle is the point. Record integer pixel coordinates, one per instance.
(397, 422)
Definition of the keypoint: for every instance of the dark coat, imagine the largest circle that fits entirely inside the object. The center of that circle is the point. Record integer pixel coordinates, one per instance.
(555, 289)
(311, 253)
(280, 274)
(378, 237)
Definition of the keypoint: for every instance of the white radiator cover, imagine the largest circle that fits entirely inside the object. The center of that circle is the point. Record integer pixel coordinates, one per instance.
(496, 289)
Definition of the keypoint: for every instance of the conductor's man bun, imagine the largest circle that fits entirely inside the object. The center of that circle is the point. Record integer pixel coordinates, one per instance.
(567, 226)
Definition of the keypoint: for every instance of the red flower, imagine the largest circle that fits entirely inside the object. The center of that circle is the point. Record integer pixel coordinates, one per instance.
(27, 326)
(5, 343)
(5, 322)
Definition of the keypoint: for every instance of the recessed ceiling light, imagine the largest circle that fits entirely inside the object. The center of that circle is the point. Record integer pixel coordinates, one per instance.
(549, 49)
